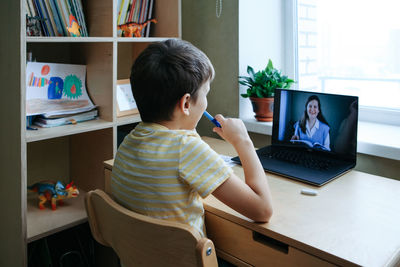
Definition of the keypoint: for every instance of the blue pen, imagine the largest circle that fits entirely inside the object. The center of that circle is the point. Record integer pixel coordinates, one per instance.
(212, 119)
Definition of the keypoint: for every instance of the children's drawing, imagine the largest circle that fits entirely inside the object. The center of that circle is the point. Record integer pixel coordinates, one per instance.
(45, 70)
(72, 87)
(56, 89)
(73, 26)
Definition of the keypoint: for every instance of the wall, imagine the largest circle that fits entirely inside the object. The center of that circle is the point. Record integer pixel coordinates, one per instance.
(12, 174)
(219, 39)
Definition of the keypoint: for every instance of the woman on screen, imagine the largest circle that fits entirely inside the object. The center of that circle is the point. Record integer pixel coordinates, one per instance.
(312, 129)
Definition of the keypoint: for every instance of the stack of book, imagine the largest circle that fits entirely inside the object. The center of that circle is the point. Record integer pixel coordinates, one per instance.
(56, 94)
(137, 11)
(58, 120)
(54, 16)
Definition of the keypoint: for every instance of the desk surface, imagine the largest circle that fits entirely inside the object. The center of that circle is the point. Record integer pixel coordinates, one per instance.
(354, 218)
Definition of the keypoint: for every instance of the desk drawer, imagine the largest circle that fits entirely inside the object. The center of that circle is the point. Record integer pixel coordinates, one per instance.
(253, 248)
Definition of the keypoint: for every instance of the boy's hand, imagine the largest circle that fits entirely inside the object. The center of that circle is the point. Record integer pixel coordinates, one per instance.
(233, 130)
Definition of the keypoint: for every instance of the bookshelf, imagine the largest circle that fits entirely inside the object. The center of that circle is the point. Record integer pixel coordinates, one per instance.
(70, 152)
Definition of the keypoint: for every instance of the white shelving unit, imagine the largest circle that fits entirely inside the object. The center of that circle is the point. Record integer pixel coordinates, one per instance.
(71, 152)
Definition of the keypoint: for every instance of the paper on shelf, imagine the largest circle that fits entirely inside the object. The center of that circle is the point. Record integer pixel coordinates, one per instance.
(56, 89)
(125, 98)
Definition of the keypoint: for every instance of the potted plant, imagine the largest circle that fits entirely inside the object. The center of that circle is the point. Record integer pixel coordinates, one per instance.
(261, 86)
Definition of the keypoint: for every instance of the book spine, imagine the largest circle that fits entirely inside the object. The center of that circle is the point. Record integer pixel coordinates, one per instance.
(32, 7)
(43, 20)
(46, 17)
(50, 16)
(128, 12)
(143, 16)
(124, 11)
(57, 18)
(28, 9)
(149, 17)
(70, 8)
(136, 13)
(82, 15)
(60, 17)
(75, 13)
(36, 14)
(65, 14)
(134, 4)
(120, 12)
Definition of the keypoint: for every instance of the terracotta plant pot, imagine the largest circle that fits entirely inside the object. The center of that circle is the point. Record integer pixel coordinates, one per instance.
(263, 107)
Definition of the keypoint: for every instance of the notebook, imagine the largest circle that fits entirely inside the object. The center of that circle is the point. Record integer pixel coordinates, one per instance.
(314, 136)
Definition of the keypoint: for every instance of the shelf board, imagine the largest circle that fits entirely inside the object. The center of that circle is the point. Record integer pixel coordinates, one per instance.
(37, 39)
(41, 223)
(143, 39)
(31, 39)
(58, 131)
(128, 119)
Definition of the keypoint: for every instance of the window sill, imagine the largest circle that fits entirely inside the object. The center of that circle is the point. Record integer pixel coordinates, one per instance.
(380, 140)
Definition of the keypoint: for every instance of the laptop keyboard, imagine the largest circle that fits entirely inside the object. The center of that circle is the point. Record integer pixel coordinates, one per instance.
(306, 159)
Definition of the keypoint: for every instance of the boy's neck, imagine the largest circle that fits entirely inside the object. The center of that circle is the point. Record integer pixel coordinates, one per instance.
(173, 125)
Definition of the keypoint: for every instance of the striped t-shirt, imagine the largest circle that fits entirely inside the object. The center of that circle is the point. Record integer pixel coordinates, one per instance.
(164, 173)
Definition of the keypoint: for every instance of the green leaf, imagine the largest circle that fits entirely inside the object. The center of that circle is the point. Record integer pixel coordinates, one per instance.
(250, 71)
(270, 66)
(263, 83)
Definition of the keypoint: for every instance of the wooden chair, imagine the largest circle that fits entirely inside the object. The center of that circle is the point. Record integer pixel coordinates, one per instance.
(140, 240)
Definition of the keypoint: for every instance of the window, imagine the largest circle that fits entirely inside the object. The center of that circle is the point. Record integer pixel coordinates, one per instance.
(351, 47)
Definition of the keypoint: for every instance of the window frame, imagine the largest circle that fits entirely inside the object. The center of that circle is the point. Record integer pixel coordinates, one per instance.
(366, 113)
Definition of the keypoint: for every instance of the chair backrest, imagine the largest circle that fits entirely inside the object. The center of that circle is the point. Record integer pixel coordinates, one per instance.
(140, 240)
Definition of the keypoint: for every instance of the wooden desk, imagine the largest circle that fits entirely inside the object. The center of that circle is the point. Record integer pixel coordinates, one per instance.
(354, 220)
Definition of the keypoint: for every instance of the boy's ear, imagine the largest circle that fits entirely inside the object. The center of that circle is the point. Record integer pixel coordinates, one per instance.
(184, 104)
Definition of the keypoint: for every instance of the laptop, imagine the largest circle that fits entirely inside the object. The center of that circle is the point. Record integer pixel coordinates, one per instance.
(313, 143)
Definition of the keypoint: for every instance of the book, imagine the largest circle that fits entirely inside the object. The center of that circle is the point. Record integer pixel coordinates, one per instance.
(124, 11)
(78, 17)
(120, 7)
(50, 17)
(42, 18)
(37, 16)
(56, 17)
(46, 16)
(309, 144)
(32, 8)
(71, 119)
(143, 15)
(28, 9)
(82, 16)
(149, 16)
(65, 14)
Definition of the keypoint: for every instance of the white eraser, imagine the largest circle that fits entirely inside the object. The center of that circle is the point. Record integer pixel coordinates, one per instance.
(309, 192)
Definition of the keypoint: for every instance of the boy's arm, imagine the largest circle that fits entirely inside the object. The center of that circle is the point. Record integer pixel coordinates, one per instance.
(251, 198)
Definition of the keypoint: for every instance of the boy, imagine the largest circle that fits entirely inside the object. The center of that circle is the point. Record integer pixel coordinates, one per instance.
(163, 168)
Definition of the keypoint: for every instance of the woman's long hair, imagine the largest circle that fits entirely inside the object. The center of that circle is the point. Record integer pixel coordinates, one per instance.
(304, 117)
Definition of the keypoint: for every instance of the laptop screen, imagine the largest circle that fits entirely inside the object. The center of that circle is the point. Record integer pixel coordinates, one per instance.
(316, 121)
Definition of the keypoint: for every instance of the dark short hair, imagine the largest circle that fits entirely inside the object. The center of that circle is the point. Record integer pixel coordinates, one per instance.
(163, 73)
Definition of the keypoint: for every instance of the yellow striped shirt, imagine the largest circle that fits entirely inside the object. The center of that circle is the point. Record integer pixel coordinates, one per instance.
(164, 173)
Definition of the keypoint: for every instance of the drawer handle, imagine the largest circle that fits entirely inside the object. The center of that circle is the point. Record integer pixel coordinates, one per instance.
(270, 242)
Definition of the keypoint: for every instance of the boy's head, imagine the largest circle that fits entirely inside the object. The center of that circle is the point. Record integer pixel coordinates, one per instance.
(163, 73)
